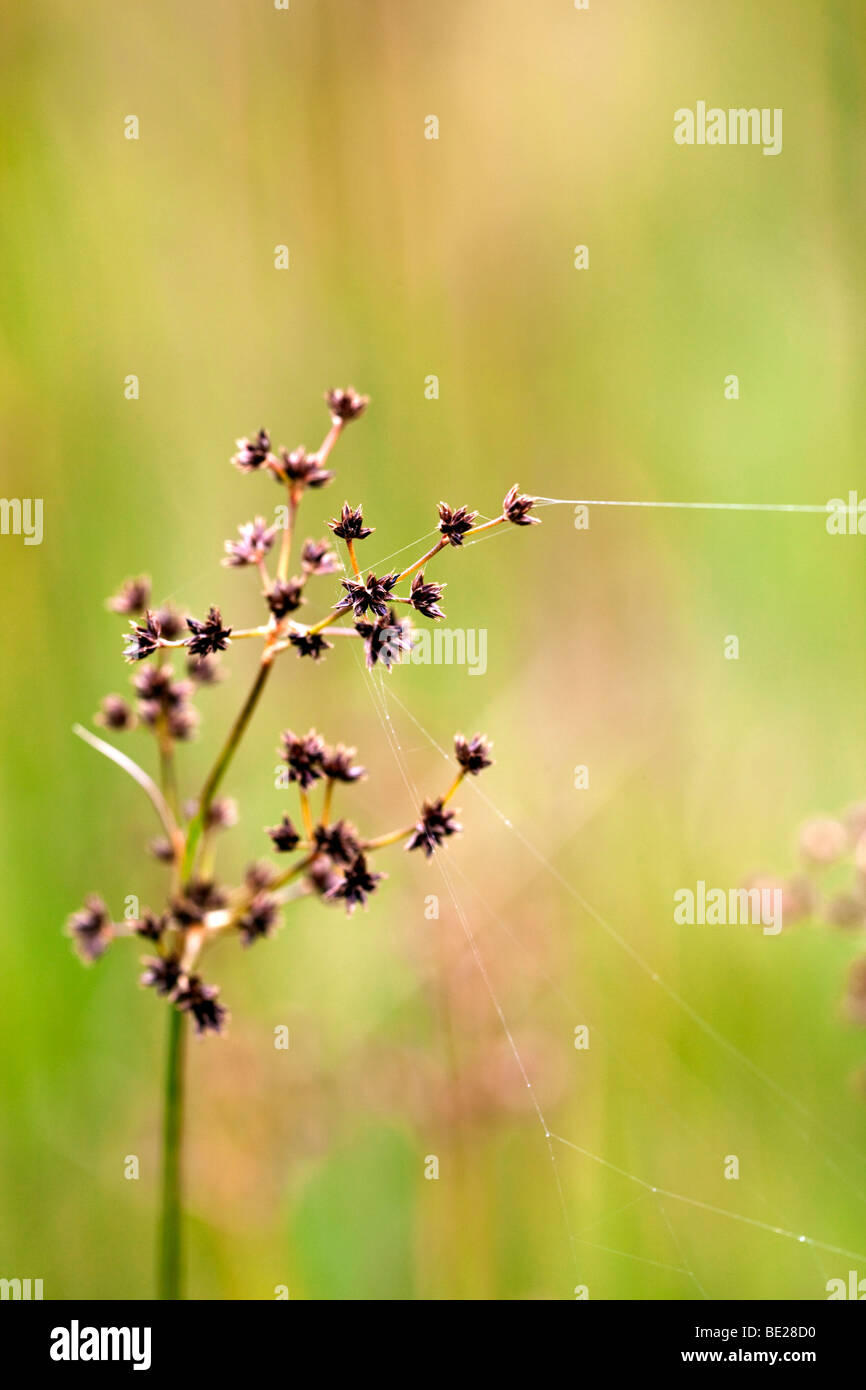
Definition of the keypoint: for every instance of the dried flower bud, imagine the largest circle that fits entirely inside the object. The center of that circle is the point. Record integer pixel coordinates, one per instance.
(182, 722)
(161, 849)
(516, 507)
(256, 539)
(252, 453)
(91, 929)
(472, 754)
(150, 926)
(425, 597)
(133, 596)
(303, 757)
(144, 639)
(454, 523)
(195, 997)
(115, 713)
(209, 636)
(259, 875)
(284, 835)
(435, 825)
(204, 670)
(285, 596)
(318, 558)
(346, 404)
(355, 884)
(301, 467)
(350, 526)
(170, 622)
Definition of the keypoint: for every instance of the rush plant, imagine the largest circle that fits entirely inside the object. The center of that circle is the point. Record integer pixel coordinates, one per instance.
(322, 855)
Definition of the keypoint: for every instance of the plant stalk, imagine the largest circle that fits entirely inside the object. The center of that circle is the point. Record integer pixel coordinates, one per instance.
(170, 1283)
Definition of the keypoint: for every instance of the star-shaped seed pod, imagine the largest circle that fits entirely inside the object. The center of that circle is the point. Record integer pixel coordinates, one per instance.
(455, 522)
(303, 757)
(355, 885)
(252, 453)
(372, 595)
(472, 754)
(256, 539)
(424, 598)
(209, 636)
(435, 825)
(350, 526)
(516, 507)
(144, 639)
(346, 405)
(150, 926)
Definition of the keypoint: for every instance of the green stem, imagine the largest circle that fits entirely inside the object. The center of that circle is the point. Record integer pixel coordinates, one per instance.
(219, 768)
(172, 1143)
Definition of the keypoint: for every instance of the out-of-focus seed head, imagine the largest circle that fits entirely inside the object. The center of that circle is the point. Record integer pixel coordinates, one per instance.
(301, 467)
(386, 639)
(91, 929)
(170, 621)
(115, 713)
(338, 765)
(435, 825)
(346, 405)
(284, 835)
(285, 596)
(161, 849)
(133, 596)
(209, 636)
(454, 522)
(161, 973)
(318, 558)
(193, 996)
(516, 508)
(256, 539)
(339, 841)
(150, 926)
(303, 757)
(350, 526)
(204, 670)
(258, 919)
(253, 453)
(473, 754)
(823, 840)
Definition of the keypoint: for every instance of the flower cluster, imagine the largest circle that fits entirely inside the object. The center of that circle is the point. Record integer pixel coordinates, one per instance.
(321, 856)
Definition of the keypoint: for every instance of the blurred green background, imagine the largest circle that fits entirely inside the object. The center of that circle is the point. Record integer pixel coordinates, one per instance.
(454, 257)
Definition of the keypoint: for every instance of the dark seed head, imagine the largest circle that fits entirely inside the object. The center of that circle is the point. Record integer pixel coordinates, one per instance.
(161, 973)
(337, 764)
(115, 713)
(472, 754)
(516, 507)
(301, 467)
(256, 539)
(144, 639)
(208, 636)
(355, 885)
(339, 841)
(310, 644)
(350, 526)
(285, 596)
(425, 597)
(252, 453)
(303, 757)
(455, 522)
(91, 929)
(385, 639)
(284, 836)
(346, 404)
(318, 558)
(435, 825)
(258, 919)
(193, 996)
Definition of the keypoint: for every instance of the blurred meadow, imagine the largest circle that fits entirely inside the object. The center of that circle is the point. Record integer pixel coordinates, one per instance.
(453, 257)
